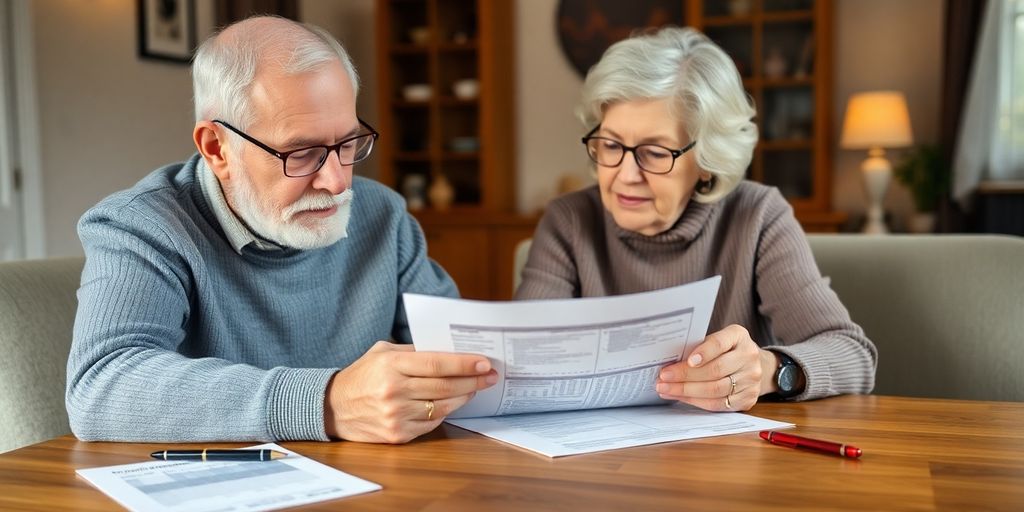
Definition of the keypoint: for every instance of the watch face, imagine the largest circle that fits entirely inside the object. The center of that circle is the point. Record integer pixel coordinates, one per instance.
(786, 379)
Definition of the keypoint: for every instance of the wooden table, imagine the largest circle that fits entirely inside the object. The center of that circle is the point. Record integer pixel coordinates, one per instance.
(918, 455)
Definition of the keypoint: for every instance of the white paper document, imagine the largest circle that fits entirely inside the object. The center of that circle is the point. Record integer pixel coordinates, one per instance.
(557, 434)
(571, 354)
(224, 486)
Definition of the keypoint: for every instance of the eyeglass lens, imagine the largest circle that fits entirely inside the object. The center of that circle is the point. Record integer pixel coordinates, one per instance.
(309, 161)
(649, 157)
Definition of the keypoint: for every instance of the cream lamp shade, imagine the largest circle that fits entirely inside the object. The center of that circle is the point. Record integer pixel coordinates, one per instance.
(874, 121)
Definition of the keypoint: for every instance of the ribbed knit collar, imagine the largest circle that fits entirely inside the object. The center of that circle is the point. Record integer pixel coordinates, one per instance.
(686, 229)
(239, 235)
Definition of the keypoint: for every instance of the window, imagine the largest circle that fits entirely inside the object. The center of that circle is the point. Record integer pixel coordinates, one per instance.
(990, 145)
(1012, 111)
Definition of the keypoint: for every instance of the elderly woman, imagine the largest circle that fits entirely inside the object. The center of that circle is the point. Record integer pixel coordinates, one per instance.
(671, 135)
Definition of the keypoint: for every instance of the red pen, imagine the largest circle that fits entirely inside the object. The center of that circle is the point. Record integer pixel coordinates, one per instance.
(843, 450)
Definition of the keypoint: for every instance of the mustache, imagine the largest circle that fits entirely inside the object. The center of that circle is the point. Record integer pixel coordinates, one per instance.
(316, 201)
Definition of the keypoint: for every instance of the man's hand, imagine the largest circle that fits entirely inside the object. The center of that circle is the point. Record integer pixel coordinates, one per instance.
(385, 396)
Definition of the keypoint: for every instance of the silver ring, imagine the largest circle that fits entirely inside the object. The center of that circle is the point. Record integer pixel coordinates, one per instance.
(728, 404)
(732, 381)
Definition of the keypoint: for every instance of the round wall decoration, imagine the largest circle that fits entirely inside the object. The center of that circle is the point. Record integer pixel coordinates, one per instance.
(586, 28)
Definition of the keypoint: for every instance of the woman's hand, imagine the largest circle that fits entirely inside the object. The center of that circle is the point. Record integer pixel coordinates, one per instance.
(726, 372)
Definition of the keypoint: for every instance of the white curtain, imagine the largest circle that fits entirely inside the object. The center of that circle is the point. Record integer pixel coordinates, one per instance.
(990, 144)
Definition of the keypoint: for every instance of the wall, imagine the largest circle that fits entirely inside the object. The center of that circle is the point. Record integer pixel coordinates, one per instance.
(548, 88)
(878, 44)
(881, 44)
(105, 117)
(108, 118)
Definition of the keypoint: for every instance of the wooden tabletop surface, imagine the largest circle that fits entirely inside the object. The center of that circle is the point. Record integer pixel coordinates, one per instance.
(919, 454)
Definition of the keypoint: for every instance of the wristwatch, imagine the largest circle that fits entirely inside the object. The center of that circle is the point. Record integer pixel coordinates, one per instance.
(788, 377)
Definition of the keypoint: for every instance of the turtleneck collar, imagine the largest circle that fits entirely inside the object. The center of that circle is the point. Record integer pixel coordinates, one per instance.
(686, 229)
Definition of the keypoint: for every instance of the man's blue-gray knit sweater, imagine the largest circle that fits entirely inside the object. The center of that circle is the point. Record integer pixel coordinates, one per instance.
(179, 337)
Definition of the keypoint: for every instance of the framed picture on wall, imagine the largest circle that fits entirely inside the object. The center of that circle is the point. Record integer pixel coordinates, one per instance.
(167, 30)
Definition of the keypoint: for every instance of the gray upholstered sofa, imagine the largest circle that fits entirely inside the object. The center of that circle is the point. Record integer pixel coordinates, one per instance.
(37, 312)
(946, 311)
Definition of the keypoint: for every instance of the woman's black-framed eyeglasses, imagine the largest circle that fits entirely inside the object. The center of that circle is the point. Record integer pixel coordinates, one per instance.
(308, 160)
(652, 158)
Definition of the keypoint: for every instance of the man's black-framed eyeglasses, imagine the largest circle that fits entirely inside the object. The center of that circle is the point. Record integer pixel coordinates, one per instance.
(652, 158)
(308, 160)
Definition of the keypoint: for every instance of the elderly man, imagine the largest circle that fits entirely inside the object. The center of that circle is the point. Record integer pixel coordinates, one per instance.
(241, 295)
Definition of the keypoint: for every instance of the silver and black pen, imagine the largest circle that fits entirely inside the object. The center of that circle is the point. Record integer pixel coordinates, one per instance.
(217, 455)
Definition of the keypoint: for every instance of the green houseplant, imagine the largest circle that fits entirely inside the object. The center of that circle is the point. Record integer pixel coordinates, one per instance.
(926, 174)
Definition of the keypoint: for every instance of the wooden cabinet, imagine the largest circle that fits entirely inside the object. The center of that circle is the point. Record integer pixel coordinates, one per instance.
(447, 107)
(783, 51)
(445, 72)
(477, 250)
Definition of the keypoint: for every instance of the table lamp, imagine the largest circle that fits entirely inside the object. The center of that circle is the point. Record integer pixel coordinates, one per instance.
(876, 120)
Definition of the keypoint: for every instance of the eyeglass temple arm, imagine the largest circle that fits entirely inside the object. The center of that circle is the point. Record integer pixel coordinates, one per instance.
(249, 138)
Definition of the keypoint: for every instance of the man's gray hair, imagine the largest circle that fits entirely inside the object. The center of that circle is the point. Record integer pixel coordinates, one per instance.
(225, 66)
(682, 65)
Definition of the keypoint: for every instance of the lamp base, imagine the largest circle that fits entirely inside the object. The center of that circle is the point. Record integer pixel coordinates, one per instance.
(877, 174)
(875, 224)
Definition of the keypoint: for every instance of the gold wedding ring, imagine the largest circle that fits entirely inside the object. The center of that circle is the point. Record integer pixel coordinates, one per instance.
(732, 381)
(430, 409)
(728, 404)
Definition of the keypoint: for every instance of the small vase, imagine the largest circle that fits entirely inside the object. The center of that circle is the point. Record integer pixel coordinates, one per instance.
(414, 189)
(775, 65)
(921, 222)
(740, 7)
(441, 193)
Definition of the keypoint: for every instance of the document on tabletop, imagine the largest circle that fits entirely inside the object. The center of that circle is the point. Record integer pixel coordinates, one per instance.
(225, 486)
(567, 354)
(557, 434)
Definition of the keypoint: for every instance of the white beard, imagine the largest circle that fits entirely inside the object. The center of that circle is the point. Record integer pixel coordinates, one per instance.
(280, 227)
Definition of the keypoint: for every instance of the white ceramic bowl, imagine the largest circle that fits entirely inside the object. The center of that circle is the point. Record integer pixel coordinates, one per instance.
(466, 89)
(417, 92)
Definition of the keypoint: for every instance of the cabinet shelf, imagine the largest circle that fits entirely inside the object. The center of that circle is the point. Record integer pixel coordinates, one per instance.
(788, 16)
(460, 155)
(406, 104)
(728, 21)
(451, 101)
(786, 144)
(410, 49)
(413, 156)
(766, 17)
(453, 47)
(778, 83)
(806, 81)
